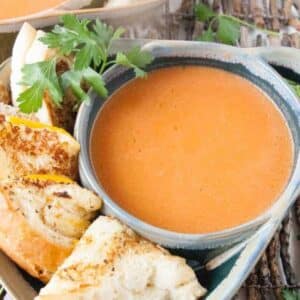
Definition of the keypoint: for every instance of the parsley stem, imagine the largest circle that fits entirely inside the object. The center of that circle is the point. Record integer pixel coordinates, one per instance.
(211, 23)
(89, 47)
(249, 25)
(112, 62)
(104, 64)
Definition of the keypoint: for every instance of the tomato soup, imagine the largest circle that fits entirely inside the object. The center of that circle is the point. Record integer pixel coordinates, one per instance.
(18, 8)
(192, 149)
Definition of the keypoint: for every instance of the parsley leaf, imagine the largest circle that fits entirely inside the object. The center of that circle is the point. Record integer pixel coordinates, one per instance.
(204, 12)
(105, 33)
(295, 86)
(75, 35)
(207, 36)
(123, 60)
(228, 31)
(136, 59)
(89, 46)
(86, 56)
(75, 79)
(139, 58)
(69, 36)
(40, 77)
(290, 295)
(31, 99)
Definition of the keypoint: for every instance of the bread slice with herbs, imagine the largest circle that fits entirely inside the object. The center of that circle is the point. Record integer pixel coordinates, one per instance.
(25, 52)
(112, 262)
(21, 46)
(28, 146)
(41, 219)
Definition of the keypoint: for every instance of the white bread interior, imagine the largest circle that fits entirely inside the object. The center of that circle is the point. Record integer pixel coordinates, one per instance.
(21, 46)
(28, 49)
(112, 262)
(36, 53)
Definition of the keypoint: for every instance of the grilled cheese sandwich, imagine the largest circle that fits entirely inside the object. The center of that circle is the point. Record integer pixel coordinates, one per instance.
(41, 219)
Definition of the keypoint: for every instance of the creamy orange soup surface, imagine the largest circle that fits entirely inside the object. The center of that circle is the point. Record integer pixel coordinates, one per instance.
(18, 8)
(192, 149)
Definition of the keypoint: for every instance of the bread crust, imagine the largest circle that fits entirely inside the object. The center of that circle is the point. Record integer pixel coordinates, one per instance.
(32, 251)
(21, 148)
(112, 262)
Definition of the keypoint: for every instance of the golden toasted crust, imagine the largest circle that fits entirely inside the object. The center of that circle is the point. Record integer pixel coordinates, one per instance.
(8, 110)
(4, 94)
(112, 262)
(30, 150)
(122, 243)
(28, 248)
(31, 232)
(64, 115)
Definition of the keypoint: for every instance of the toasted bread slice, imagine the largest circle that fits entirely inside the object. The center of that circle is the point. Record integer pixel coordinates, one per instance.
(28, 146)
(21, 46)
(25, 52)
(4, 94)
(36, 53)
(112, 262)
(8, 110)
(61, 116)
(41, 219)
(32, 52)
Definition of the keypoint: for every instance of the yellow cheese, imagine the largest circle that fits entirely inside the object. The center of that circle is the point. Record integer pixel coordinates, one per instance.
(34, 124)
(49, 177)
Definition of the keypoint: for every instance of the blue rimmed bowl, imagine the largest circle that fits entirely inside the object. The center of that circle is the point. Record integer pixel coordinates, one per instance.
(246, 63)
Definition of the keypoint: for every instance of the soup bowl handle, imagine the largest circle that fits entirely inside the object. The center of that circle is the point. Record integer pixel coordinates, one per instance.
(285, 57)
(287, 60)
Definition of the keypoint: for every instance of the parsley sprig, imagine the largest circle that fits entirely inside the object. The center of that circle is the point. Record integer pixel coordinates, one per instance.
(227, 31)
(89, 45)
(40, 77)
(221, 27)
(290, 294)
(295, 87)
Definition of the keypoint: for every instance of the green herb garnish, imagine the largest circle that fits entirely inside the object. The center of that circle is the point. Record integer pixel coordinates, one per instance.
(221, 27)
(40, 77)
(290, 294)
(2, 291)
(89, 44)
(295, 86)
(135, 59)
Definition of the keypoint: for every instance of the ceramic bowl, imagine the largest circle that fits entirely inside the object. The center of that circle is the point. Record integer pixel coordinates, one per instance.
(91, 9)
(232, 59)
(64, 5)
(136, 18)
